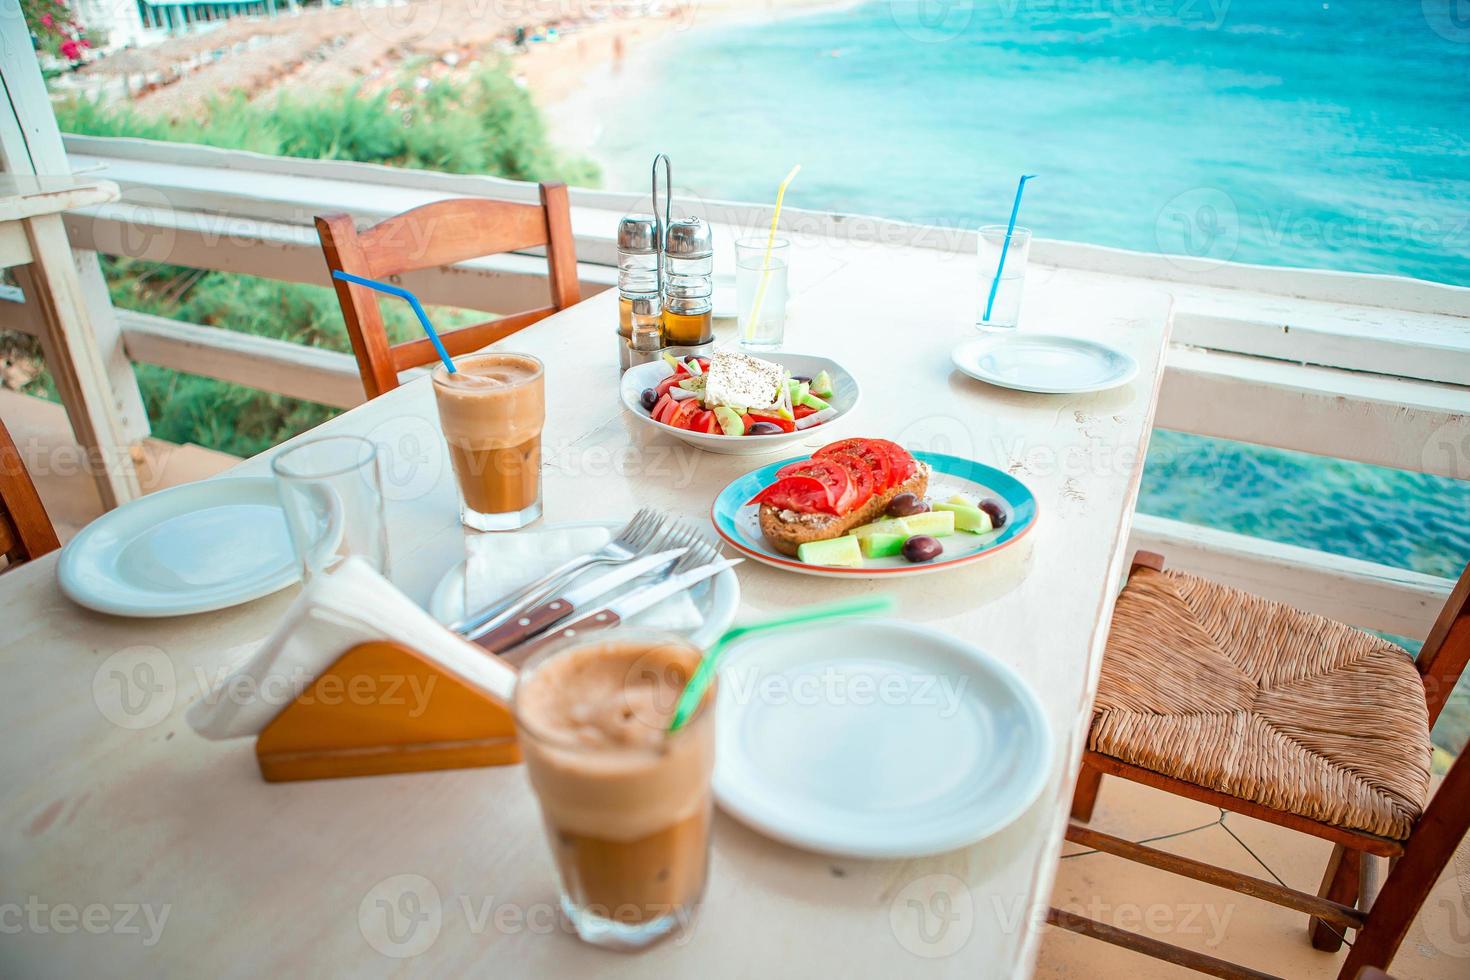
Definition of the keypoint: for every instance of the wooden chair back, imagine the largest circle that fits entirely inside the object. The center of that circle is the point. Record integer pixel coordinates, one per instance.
(26, 531)
(1446, 651)
(436, 235)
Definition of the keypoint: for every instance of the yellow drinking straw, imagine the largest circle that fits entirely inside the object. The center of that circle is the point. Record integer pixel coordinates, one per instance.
(760, 293)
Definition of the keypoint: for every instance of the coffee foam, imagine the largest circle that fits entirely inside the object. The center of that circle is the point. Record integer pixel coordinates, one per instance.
(594, 733)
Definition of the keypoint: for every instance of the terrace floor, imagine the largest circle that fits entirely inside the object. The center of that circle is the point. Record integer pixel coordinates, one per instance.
(1220, 922)
(1103, 887)
(43, 436)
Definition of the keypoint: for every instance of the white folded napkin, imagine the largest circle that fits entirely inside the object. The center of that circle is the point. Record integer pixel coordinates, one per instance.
(352, 604)
(499, 563)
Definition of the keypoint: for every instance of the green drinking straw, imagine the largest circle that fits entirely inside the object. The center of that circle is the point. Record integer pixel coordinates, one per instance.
(1005, 246)
(694, 690)
(413, 301)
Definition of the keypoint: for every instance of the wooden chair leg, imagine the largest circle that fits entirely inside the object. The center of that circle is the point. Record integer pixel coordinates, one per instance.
(1084, 797)
(1342, 882)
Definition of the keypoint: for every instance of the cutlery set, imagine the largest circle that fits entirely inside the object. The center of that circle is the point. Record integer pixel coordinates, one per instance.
(656, 550)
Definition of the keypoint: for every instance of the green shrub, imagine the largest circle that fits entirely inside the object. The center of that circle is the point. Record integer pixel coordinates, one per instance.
(487, 125)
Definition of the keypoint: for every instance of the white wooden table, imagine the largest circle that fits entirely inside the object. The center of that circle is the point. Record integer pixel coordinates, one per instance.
(108, 799)
(32, 235)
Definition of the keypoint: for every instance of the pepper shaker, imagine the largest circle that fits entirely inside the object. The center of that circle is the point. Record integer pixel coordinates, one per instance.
(688, 284)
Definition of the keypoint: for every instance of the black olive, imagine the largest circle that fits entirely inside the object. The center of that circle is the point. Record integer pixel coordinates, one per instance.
(906, 505)
(648, 399)
(921, 547)
(763, 429)
(996, 511)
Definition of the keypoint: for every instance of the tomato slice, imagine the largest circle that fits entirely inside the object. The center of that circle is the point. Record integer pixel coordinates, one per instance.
(705, 422)
(903, 464)
(663, 407)
(877, 458)
(787, 425)
(803, 494)
(864, 479)
(841, 489)
(900, 463)
(842, 446)
(680, 417)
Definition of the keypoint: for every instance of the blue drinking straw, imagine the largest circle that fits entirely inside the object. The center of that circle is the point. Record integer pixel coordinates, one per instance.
(413, 301)
(1005, 246)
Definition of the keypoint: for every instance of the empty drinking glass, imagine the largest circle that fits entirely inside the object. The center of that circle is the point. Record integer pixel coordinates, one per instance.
(1000, 302)
(332, 493)
(760, 291)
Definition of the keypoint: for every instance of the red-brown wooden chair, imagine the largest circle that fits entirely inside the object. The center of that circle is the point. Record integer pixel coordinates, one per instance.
(436, 235)
(1252, 706)
(26, 531)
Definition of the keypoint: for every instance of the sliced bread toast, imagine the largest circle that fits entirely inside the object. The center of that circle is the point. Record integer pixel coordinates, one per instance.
(786, 530)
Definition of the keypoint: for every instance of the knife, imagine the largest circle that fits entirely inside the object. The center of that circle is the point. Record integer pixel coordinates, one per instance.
(620, 609)
(559, 607)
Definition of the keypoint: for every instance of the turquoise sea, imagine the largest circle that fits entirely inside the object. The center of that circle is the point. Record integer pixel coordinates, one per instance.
(1331, 135)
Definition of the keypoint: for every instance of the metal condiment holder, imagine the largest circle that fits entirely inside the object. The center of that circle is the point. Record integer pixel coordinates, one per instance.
(635, 349)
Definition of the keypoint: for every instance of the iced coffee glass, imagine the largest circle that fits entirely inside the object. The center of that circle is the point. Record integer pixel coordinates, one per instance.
(626, 803)
(492, 409)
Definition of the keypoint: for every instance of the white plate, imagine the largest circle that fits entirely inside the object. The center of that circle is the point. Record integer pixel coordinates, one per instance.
(717, 600)
(195, 548)
(1047, 363)
(845, 394)
(875, 740)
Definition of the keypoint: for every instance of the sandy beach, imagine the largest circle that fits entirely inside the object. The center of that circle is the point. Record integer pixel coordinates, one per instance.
(575, 78)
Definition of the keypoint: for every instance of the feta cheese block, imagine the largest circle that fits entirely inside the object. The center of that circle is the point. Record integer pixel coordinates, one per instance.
(742, 381)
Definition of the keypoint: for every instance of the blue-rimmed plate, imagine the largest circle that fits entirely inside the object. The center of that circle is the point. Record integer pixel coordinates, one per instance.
(738, 521)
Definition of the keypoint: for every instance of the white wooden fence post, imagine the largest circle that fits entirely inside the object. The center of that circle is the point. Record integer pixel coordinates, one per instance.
(30, 143)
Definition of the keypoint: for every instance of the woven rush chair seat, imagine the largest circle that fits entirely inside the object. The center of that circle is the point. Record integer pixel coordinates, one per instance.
(1256, 699)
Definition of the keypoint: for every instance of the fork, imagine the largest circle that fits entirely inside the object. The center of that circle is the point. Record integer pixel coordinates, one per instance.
(547, 613)
(646, 527)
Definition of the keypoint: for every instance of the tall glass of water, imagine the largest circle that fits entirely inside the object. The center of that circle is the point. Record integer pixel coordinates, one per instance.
(1002, 299)
(760, 291)
(332, 493)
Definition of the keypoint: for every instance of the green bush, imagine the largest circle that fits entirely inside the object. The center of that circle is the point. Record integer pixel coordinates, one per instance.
(486, 125)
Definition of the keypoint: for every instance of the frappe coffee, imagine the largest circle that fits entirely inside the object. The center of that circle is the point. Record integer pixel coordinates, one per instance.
(626, 804)
(492, 409)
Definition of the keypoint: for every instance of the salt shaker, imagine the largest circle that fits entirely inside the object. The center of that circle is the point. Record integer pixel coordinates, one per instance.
(638, 259)
(688, 287)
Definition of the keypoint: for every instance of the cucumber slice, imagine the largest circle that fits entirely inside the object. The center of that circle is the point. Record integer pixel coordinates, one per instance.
(893, 525)
(843, 552)
(730, 421)
(880, 545)
(960, 498)
(812, 401)
(967, 518)
(693, 383)
(935, 523)
(822, 385)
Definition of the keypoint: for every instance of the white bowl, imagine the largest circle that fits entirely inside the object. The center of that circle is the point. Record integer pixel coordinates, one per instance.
(844, 398)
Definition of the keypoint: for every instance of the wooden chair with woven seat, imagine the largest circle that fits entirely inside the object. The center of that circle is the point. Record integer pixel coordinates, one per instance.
(1255, 707)
(441, 234)
(26, 531)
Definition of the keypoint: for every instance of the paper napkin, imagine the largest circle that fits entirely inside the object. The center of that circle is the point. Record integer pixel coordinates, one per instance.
(352, 604)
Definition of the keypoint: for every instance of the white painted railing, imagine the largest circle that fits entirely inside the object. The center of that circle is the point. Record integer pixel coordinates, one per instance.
(1367, 368)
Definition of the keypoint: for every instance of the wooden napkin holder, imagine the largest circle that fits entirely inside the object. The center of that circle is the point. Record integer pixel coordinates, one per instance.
(383, 708)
